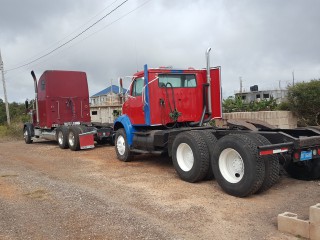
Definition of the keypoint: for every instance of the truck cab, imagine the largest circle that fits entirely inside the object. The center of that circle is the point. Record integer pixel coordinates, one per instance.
(164, 97)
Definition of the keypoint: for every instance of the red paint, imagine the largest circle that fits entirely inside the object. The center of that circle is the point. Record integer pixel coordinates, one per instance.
(266, 152)
(188, 101)
(63, 96)
(86, 140)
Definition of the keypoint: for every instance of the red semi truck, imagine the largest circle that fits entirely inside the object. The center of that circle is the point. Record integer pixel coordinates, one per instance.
(165, 113)
(62, 112)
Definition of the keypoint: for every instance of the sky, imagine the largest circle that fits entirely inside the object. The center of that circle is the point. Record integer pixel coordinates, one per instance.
(265, 43)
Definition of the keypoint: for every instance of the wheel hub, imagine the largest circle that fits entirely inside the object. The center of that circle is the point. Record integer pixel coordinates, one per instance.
(121, 145)
(185, 157)
(231, 165)
(71, 139)
(25, 135)
(60, 138)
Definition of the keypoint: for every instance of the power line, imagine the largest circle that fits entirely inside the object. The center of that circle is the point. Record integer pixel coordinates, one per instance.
(71, 33)
(60, 46)
(118, 19)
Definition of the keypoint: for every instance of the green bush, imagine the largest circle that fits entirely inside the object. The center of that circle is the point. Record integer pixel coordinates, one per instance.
(232, 104)
(17, 116)
(283, 106)
(304, 102)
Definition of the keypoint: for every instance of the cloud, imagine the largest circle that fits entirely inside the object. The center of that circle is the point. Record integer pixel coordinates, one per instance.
(261, 41)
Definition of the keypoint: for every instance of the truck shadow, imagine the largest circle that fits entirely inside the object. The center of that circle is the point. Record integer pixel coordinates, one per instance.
(152, 159)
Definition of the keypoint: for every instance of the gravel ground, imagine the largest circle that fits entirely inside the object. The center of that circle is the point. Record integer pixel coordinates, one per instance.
(50, 193)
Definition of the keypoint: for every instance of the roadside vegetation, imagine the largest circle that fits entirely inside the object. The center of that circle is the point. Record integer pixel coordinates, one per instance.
(17, 115)
(303, 100)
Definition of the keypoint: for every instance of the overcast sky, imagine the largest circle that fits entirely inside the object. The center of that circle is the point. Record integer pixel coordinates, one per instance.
(262, 42)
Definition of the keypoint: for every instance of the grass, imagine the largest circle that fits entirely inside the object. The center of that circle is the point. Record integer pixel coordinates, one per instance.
(14, 131)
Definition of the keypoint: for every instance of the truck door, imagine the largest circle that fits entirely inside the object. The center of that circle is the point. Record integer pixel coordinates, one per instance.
(135, 102)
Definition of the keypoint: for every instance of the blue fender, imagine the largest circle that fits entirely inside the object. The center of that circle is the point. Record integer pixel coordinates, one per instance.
(124, 121)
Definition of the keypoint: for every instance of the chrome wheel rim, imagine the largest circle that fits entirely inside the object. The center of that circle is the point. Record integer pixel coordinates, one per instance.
(25, 135)
(71, 138)
(60, 138)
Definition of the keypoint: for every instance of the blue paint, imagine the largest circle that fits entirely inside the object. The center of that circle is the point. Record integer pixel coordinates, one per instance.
(176, 71)
(146, 107)
(126, 123)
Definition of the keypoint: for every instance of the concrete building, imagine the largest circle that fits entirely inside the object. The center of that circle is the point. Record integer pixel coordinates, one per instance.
(104, 104)
(255, 94)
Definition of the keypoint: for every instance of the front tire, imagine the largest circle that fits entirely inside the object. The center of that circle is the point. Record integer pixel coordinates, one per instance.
(237, 166)
(122, 147)
(190, 156)
(27, 135)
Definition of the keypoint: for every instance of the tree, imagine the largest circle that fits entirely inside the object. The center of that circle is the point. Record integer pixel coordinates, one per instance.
(17, 112)
(304, 102)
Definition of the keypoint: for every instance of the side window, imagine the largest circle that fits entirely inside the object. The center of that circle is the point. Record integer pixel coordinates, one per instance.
(177, 80)
(137, 87)
(43, 85)
(190, 81)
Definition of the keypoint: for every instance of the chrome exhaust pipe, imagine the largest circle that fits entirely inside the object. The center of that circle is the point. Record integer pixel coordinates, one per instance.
(36, 94)
(208, 79)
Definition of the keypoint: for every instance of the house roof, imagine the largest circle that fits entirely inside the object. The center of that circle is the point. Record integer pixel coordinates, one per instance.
(112, 88)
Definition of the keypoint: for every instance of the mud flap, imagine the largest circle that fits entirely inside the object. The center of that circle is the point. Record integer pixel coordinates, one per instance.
(86, 140)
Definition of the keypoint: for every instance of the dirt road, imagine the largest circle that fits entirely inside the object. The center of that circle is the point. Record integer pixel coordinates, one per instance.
(49, 193)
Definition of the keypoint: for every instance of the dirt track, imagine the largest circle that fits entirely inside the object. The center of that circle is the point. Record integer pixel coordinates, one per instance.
(49, 193)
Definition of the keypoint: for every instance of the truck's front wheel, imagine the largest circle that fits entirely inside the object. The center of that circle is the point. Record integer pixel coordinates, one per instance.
(122, 146)
(27, 135)
(190, 156)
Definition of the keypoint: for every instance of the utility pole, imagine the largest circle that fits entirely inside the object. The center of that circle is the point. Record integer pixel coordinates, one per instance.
(4, 90)
(292, 78)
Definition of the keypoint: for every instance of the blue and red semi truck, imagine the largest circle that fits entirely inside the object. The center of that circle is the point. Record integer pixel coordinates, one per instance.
(62, 112)
(167, 111)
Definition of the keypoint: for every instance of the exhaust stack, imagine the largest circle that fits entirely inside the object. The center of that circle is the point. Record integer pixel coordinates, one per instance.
(36, 94)
(208, 79)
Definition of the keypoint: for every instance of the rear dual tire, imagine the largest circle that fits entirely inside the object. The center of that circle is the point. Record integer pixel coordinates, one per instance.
(62, 137)
(237, 166)
(73, 138)
(271, 162)
(304, 170)
(190, 156)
